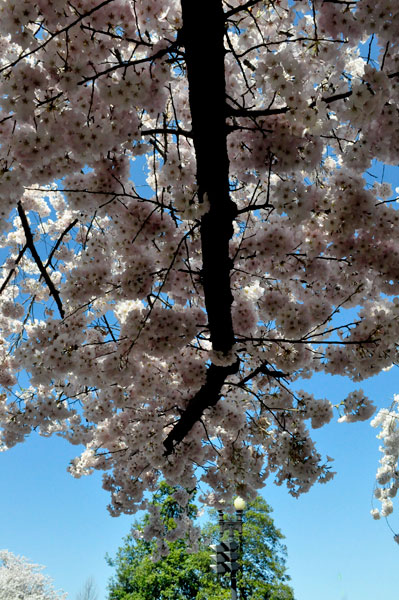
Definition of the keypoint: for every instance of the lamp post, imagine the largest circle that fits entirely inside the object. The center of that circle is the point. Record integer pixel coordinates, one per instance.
(231, 525)
(240, 505)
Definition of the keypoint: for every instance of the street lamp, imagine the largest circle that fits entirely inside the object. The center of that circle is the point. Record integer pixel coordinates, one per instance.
(239, 504)
(226, 552)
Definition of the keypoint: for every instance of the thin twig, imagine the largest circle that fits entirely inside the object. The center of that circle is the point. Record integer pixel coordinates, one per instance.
(10, 274)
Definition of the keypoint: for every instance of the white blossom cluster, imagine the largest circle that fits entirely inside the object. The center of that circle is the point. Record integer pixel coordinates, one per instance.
(20, 579)
(109, 319)
(388, 473)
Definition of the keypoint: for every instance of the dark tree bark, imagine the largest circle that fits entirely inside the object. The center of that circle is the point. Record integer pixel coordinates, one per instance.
(206, 397)
(204, 53)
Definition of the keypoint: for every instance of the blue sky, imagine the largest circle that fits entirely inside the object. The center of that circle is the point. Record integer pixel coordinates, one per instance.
(336, 551)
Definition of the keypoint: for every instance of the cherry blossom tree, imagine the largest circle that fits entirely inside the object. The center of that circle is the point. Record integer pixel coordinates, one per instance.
(20, 579)
(164, 324)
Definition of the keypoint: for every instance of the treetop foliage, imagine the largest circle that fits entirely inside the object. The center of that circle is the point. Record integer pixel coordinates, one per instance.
(179, 570)
(163, 325)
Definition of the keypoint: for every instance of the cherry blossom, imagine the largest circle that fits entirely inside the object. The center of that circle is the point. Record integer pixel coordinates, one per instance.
(188, 231)
(22, 579)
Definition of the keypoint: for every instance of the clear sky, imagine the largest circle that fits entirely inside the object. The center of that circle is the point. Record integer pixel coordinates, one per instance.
(336, 551)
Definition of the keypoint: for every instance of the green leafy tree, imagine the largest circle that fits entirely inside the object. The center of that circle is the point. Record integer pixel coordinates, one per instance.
(185, 574)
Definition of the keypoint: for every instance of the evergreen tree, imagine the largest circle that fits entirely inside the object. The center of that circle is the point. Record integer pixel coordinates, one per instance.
(184, 574)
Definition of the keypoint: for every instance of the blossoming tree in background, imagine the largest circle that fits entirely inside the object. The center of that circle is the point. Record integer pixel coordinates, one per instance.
(162, 326)
(21, 579)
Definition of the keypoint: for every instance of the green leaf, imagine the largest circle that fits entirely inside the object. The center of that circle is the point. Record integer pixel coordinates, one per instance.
(182, 575)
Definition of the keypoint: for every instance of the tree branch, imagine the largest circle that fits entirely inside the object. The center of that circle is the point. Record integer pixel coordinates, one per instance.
(58, 242)
(206, 397)
(54, 35)
(265, 370)
(30, 244)
(263, 112)
(207, 98)
(12, 270)
(205, 64)
(129, 63)
(167, 131)
(240, 8)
